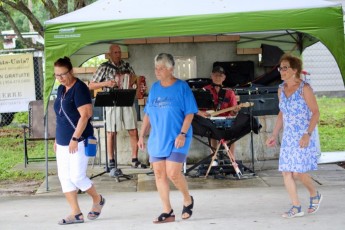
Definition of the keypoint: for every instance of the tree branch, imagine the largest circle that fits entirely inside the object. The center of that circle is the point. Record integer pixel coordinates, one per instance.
(63, 7)
(26, 41)
(79, 4)
(20, 6)
(49, 5)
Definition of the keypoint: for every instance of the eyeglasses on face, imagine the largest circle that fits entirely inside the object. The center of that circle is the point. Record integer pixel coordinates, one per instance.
(160, 68)
(283, 68)
(61, 75)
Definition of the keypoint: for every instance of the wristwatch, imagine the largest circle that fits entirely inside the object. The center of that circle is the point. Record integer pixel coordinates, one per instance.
(308, 133)
(183, 133)
(75, 139)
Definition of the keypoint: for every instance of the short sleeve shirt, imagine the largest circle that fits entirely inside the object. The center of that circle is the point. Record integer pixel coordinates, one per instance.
(107, 71)
(167, 108)
(78, 95)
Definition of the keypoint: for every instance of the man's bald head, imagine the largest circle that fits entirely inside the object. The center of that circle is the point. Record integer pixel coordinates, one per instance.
(115, 53)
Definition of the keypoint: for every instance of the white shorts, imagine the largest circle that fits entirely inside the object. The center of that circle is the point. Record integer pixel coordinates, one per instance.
(123, 117)
(72, 168)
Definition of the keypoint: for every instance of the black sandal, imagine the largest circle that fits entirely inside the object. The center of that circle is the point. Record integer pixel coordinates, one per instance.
(165, 218)
(188, 209)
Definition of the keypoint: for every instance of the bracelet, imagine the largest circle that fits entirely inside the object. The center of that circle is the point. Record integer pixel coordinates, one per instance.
(183, 133)
(308, 133)
(75, 139)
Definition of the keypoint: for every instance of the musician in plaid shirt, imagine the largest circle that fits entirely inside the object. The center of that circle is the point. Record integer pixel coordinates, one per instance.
(109, 76)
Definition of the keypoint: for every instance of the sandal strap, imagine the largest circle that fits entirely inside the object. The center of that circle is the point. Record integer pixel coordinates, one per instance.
(100, 204)
(292, 211)
(163, 216)
(72, 219)
(188, 209)
(95, 214)
(317, 198)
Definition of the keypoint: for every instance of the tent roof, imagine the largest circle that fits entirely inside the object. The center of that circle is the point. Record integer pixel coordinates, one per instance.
(128, 9)
(117, 20)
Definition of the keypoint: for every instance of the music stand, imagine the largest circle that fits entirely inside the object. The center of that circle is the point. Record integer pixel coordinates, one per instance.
(256, 111)
(116, 98)
(204, 99)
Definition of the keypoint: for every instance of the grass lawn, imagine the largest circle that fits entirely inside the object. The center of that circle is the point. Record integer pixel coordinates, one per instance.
(331, 132)
(332, 124)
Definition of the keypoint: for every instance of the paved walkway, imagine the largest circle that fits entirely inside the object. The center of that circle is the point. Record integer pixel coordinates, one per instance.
(254, 202)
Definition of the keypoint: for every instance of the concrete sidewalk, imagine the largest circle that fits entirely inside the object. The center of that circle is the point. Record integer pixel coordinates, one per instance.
(254, 202)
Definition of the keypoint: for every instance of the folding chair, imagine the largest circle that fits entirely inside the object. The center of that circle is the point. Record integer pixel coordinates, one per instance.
(34, 131)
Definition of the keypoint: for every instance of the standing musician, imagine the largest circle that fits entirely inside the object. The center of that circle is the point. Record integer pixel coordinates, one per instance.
(222, 99)
(116, 74)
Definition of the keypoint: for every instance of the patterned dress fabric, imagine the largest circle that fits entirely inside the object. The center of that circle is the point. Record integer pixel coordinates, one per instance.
(296, 117)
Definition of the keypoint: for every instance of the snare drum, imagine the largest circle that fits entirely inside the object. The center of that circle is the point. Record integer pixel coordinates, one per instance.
(222, 122)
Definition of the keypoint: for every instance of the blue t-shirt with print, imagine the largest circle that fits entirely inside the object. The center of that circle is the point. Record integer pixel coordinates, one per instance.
(167, 108)
(78, 95)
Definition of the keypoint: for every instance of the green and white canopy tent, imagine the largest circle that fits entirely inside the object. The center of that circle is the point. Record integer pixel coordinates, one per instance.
(108, 21)
(87, 32)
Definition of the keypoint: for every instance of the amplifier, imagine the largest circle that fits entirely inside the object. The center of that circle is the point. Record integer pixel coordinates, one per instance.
(256, 90)
(264, 104)
(237, 73)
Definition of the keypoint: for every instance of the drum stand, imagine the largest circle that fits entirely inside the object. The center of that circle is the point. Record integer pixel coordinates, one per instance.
(230, 155)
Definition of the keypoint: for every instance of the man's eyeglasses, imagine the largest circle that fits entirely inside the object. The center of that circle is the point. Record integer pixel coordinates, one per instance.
(283, 68)
(61, 75)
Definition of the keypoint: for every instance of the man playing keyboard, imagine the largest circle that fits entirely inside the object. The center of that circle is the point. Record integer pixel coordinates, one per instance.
(222, 99)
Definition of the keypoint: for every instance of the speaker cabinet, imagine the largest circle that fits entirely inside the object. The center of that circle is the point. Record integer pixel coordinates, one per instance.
(237, 73)
(264, 104)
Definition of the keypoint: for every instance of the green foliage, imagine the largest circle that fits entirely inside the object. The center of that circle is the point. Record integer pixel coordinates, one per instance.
(12, 153)
(332, 124)
(21, 118)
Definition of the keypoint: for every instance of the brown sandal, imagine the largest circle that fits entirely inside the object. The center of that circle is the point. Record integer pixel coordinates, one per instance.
(72, 219)
(165, 218)
(92, 215)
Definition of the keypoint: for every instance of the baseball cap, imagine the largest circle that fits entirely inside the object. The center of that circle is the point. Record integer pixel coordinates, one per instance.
(218, 69)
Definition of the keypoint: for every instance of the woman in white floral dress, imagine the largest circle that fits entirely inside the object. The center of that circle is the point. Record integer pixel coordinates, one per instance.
(298, 116)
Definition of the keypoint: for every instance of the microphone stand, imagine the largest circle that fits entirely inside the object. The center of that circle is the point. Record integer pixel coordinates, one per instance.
(251, 130)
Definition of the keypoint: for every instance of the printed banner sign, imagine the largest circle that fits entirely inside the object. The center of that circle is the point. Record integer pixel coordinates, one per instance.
(17, 82)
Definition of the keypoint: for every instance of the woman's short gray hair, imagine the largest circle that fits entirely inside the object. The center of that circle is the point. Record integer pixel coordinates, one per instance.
(166, 59)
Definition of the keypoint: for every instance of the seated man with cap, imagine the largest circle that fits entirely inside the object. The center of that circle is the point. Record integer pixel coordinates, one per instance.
(222, 98)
